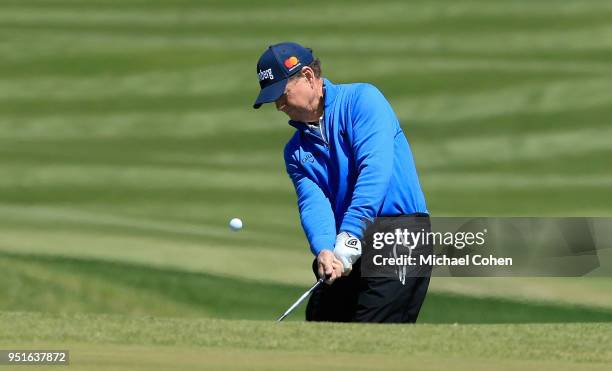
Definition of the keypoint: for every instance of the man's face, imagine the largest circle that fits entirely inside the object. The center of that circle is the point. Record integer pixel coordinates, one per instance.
(299, 99)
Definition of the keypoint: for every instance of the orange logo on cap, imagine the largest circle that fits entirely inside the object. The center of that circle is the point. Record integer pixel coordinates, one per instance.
(291, 62)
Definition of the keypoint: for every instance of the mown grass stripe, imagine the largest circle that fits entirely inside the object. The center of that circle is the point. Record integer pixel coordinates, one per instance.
(229, 259)
(207, 230)
(359, 11)
(502, 181)
(528, 97)
(587, 38)
(203, 22)
(491, 148)
(189, 294)
(193, 80)
(526, 123)
(445, 108)
(130, 126)
(144, 177)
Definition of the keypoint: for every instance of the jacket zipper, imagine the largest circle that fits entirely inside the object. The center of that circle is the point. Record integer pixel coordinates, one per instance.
(319, 138)
(323, 132)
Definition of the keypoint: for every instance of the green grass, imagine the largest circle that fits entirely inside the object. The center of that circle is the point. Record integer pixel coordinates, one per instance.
(68, 285)
(140, 342)
(127, 142)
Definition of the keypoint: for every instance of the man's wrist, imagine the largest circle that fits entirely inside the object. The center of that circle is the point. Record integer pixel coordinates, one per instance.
(322, 242)
(352, 225)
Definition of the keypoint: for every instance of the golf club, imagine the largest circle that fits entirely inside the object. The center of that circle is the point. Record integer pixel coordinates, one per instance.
(300, 300)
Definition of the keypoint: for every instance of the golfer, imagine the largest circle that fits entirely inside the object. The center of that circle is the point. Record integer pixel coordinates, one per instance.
(350, 163)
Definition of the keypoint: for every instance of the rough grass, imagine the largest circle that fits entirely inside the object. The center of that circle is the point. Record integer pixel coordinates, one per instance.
(126, 341)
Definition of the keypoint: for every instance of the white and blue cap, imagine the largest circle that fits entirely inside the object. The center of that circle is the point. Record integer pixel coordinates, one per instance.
(276, 65)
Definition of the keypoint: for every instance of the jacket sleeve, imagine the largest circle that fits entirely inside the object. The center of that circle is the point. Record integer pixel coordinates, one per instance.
(373, 125)
(315, 209)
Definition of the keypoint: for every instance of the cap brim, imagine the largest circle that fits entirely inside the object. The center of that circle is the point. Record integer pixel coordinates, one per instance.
(270, 93)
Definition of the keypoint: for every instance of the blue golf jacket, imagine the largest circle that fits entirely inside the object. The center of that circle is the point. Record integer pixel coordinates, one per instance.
(356, 167)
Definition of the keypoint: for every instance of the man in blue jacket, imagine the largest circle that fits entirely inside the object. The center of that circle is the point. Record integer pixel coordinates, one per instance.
(350, 163)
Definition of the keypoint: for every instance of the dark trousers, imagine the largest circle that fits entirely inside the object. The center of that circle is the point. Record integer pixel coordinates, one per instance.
(367, 299)
(356, 298)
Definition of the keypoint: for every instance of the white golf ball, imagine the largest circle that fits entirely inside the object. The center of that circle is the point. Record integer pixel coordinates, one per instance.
(235, 224)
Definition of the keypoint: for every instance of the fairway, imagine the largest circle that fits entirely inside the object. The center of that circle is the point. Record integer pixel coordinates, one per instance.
(67, 285)
(128, 141)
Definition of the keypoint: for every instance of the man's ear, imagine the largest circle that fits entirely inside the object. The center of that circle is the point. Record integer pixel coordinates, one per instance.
(309, 74)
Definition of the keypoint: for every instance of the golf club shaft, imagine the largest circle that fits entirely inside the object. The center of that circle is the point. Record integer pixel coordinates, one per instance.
(300, 300)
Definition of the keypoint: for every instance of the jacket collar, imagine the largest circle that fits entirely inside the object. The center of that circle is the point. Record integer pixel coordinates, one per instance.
(329, 95)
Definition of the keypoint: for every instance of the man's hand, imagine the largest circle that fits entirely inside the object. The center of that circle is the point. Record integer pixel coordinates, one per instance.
(347, 250)
(329, 266)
